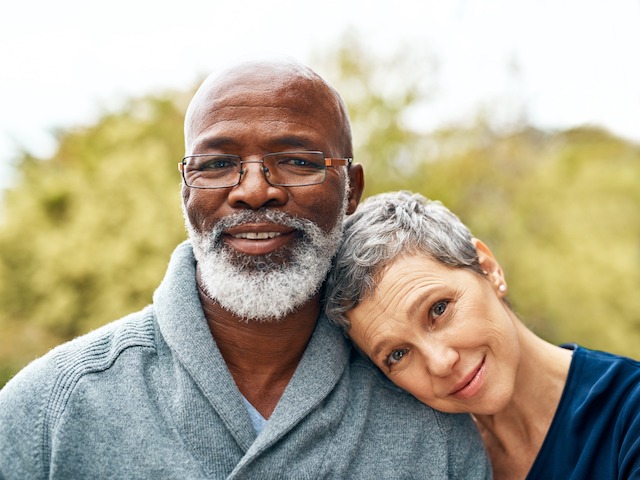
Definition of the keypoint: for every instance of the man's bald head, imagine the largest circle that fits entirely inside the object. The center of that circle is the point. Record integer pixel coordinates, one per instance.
(269, 84)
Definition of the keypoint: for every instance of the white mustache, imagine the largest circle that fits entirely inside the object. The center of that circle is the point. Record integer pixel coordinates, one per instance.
(306, 227)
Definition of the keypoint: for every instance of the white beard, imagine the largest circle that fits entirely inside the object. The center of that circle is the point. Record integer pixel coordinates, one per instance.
(265, 287)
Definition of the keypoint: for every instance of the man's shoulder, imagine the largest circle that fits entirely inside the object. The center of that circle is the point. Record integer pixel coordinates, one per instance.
(411, 430)
(363, 367)
(92, 352)
(99, 349)
(33, 401)
(395, 402)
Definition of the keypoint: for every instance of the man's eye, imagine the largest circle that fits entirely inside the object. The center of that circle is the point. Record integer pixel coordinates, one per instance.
(218, 164)
(438, 309)
(299, 161)
(396, 356)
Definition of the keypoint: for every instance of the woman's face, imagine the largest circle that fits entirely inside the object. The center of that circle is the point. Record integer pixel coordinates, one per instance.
(443, 334)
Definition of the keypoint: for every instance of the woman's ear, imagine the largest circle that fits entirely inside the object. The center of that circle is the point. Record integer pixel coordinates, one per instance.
(490, 266)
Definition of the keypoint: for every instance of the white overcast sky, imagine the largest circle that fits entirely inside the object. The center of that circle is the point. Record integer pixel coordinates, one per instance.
(63, 61)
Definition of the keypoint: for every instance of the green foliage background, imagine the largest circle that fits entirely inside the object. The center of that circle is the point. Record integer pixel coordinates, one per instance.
(85, 235)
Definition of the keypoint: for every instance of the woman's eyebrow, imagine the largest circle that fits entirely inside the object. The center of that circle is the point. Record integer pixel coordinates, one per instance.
(378, 349)
(415, 302)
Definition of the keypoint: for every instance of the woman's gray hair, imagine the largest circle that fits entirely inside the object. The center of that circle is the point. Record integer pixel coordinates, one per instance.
(384, 227)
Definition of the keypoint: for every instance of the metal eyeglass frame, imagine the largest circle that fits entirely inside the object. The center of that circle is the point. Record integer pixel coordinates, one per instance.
(329, 162)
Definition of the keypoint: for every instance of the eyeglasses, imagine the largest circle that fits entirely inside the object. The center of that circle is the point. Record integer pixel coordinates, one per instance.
(282, 169)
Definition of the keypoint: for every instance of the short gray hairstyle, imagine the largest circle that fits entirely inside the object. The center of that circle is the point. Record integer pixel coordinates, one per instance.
(384, 227)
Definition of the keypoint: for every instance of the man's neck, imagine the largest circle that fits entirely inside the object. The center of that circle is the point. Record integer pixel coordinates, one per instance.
(261, 356)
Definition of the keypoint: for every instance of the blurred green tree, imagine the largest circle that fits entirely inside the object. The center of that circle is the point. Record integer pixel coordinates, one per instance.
(86, 233)
(382, 94)
(560, 210)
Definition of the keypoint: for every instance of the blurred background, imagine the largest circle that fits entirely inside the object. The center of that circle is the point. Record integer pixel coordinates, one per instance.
(522, 117)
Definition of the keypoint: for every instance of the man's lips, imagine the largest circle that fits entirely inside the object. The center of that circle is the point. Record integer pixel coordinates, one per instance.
(258, 238)
(471, 383)
(257, 235)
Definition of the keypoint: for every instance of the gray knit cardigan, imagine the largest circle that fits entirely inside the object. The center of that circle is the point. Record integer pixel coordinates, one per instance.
(150, 397)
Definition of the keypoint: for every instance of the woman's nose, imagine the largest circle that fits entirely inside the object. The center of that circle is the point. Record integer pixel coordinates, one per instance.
(439, 359)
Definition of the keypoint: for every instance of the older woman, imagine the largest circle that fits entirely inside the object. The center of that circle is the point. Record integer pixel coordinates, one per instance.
(425, 301)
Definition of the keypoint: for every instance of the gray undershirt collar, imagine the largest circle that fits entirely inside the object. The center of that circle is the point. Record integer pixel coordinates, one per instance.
(257, 420)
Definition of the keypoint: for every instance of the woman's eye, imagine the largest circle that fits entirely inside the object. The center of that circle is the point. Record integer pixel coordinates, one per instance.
(395, 356)
(438, 309)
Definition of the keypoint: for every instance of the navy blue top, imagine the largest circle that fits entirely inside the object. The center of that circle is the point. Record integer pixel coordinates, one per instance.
(595, 434)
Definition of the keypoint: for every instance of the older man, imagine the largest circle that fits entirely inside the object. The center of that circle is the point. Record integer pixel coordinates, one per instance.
(233, 372)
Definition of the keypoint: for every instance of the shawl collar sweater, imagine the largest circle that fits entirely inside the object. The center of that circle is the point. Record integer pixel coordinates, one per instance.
(150, 396)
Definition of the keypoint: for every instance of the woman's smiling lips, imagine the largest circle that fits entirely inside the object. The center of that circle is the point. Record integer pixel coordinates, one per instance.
(258, 239)
(471, 384)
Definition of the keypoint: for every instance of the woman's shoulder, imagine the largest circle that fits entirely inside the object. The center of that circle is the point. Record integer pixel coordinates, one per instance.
(601, 378)
(595, 363)
(594, 430)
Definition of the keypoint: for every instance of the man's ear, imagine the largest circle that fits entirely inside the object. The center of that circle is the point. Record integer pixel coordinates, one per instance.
(356, 187)
(490, 265)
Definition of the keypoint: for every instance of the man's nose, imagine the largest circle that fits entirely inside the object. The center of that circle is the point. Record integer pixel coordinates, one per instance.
(254, 191)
